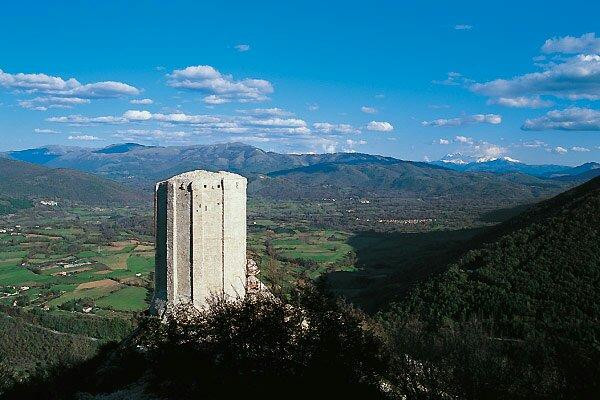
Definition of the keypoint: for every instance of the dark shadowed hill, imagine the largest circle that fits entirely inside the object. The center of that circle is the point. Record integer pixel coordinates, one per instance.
(28, 181)
(547, 258)
(525, 306)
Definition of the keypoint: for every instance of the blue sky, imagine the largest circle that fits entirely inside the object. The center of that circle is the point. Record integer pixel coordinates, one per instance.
(417, 82)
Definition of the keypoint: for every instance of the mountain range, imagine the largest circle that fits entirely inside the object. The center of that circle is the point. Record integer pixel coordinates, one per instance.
(144, 165)
(294, 176)
(139, 164)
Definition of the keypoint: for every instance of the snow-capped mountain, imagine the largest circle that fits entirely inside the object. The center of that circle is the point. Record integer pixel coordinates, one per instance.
(464, 163)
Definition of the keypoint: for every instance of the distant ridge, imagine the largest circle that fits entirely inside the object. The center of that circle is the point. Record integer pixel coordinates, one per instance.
(282, 176)
(41, 155)
(396, 178)
(120, 148)
(143, 165)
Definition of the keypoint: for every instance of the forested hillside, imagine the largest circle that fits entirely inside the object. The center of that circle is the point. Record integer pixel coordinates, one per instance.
(518, 316)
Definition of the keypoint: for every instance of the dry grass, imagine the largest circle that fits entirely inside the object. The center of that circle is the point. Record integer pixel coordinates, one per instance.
(133, 281)
(103, 283)
(103, 272)
(118, 246)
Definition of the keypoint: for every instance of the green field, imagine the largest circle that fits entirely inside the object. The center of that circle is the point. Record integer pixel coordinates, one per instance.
(129, 298)
(62, 255)
(68, 261)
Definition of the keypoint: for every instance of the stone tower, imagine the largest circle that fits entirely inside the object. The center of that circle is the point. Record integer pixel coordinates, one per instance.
(200, 223)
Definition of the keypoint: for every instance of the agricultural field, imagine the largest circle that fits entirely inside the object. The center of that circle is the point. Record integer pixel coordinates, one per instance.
(76, 260)
(101, 260)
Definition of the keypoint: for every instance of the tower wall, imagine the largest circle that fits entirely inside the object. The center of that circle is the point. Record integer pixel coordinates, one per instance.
(200, 239)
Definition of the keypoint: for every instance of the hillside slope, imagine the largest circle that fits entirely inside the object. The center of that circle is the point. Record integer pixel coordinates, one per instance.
(547, 259)
(28, 181)
(528, 300)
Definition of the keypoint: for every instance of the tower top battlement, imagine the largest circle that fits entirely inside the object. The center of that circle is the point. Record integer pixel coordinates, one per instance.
(202, 174)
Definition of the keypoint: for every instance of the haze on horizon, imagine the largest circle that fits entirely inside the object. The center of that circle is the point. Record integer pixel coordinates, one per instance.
(415, 82)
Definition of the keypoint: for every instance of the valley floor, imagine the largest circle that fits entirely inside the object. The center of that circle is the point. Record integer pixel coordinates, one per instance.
(62, 263)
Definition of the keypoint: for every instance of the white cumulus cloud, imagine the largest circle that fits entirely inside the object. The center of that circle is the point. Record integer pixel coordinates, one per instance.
(380, 126)
(242, 47)
(351, 145)
(368, 110)
(559, 150)
(521, 102)
(141, 101)
(81, 119)
(463, 139)
(278, 112)
(219, 88)
(576, 78)
(44, 103)
(56, 92)
(84, 137)
(326, 127)
(200, 124)
(493, 119)
(569, 119)
(586, 43)
(45, 131)
(580, 149)
(452, 79)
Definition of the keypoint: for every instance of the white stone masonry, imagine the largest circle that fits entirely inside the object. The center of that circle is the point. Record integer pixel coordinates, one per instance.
(200, 225)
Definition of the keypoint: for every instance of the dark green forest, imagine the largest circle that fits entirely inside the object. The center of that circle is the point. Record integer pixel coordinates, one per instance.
(517, 317)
